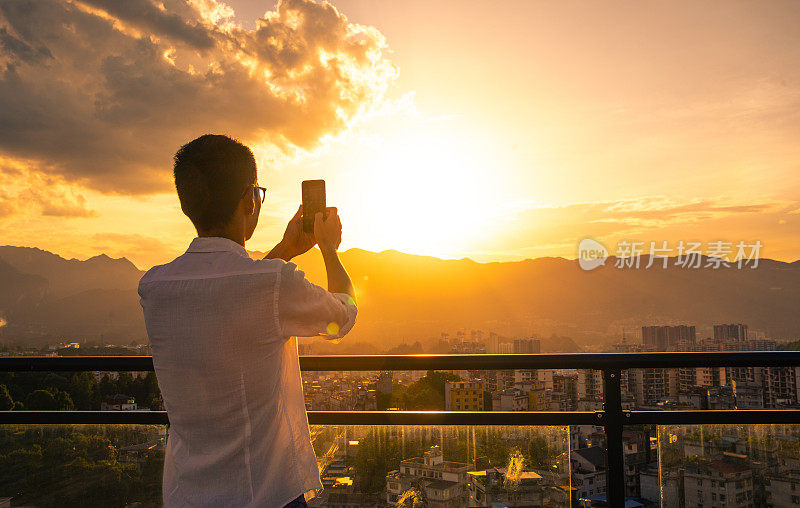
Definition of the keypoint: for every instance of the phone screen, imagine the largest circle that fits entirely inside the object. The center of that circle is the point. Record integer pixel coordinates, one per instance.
(313, 202)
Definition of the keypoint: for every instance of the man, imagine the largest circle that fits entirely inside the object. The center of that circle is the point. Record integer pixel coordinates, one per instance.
(222, 330)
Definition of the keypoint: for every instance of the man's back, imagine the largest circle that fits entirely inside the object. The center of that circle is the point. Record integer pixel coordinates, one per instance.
(220, 327)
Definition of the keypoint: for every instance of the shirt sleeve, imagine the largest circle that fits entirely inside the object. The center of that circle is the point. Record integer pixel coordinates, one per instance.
(307, 310)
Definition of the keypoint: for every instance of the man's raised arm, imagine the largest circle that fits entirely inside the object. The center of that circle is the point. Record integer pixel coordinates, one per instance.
(328, 233)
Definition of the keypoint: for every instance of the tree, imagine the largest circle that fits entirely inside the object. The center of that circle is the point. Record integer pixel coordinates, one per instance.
(64, 401)
(82, 387)
(6, 402)
(41, 400)
(428, 393)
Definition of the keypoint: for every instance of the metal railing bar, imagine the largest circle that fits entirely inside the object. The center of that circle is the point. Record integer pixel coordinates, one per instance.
(517, 418)
(83, 417)
(711, 417)
(597, 361)
(478, 418)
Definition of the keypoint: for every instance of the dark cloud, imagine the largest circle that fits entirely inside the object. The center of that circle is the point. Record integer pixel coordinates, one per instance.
(103, 92)
(21, 50)
(145, 15)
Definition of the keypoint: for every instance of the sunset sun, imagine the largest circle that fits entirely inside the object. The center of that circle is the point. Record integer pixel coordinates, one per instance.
(426, 191)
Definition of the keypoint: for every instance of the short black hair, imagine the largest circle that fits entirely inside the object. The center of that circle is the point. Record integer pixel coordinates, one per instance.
(211, 174)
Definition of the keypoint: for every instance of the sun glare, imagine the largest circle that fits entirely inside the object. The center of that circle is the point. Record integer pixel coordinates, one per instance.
(425, 192)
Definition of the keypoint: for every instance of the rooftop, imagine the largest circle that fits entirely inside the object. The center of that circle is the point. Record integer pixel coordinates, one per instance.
(594, 455)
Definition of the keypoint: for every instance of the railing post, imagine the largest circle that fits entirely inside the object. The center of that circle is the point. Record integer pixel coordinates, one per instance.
(613, 421)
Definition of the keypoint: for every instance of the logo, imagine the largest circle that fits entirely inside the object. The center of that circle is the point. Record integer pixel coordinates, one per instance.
(591, 254)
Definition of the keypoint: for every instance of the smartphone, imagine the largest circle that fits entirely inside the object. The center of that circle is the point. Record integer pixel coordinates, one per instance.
(313, 202)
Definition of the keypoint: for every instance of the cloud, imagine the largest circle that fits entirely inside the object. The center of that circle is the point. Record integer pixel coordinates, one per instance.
(7, 207)
(147, 17)
(545, 228)
(102, 93)
(25, 190)
(65, 205)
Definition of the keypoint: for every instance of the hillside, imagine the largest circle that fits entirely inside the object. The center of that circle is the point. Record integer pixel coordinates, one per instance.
(405, 297)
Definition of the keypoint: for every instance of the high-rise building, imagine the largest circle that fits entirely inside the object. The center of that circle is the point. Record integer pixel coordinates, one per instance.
(664, 338)
(689, 377)
(492, 345)
(730, 332)
(505, 348)
(527, 346)
(653, 386)
(590, 384)
(384, 384)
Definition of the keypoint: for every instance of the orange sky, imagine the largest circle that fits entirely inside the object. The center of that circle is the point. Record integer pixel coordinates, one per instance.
(497, 131)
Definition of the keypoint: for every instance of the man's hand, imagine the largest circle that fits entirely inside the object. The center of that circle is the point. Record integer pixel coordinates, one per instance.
(328, 231)
(295, 240)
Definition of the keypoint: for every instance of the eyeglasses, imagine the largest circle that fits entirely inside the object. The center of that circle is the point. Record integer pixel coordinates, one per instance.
(262, 192)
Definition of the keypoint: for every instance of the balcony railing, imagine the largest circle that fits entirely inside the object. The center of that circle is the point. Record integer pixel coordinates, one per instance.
(612, 418)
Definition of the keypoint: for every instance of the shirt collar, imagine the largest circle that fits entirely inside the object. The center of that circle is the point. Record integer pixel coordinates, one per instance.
(216, 244)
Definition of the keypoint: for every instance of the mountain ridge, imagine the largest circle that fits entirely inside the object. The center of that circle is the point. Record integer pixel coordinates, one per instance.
(405, 297)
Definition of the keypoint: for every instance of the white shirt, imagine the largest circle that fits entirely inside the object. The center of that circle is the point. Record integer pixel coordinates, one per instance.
(221, 327)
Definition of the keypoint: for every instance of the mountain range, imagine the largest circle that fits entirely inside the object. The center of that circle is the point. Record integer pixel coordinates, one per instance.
(406, 298)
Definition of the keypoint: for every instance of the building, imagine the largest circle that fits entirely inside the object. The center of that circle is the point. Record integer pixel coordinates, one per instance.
(737, 332)
(493, 487)
(510, 399)
(783, 489)
(385, 380)
(493, 342)
(664, 338)
(780, 386)
(689, 377)
(653, 386)
(463, 395)
(716, 482)
(527, 346)
(566, 382)
(118, 402)
(638, 454)
(538, 400)
(654, 489)
(505, 348)
(430, 480)
(588, 466)
(590, 384)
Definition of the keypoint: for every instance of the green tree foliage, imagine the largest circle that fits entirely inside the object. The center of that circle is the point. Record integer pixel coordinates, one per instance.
(64, 401)
(81, 391)
(41, 400)
(82, 388)
(78, 466)
(426, 393)
(383, 449)
(6, 402)
(49, 400)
